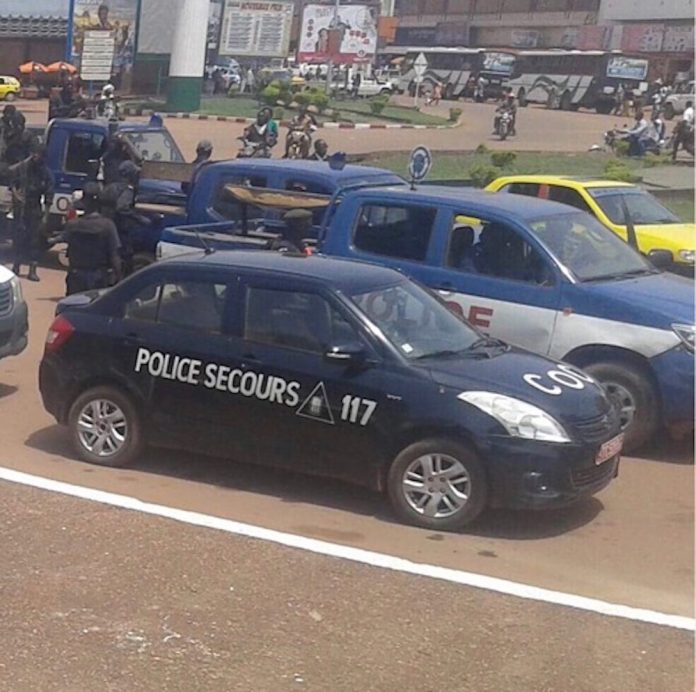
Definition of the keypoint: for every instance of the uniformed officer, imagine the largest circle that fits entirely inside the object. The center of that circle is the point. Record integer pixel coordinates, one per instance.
(298, 223)
(15, 141)
(31, 185)
(93, 246)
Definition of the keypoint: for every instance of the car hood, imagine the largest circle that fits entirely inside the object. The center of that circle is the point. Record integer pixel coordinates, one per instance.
(654, 300)
(676, 236)
(509, 373)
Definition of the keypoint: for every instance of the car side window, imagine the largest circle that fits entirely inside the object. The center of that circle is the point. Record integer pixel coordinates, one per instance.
(566, 195)
(294, 319)
(82, 149)
(527, 189)
(395, 231)
(197, 305)
(492, 248)
(229, 207)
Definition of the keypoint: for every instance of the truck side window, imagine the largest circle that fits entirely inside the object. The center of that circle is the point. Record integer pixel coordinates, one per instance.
(492, 248)
(566, 195)
(229, 207)
(395, 231)
(82, 148)
(296, 185)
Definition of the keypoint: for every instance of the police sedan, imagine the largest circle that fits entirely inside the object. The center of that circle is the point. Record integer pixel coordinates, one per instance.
(329, 367)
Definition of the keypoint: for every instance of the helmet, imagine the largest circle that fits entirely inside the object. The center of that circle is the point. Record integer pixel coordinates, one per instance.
(204, 146)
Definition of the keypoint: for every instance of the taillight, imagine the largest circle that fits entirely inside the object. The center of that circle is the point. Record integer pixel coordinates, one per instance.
(58, 334)
(71, 214)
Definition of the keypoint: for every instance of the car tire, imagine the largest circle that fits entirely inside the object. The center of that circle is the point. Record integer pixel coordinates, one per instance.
(385, 92)
(105, 417)
(10, 97)
(628, 387)
(669, 111)
(456, 463)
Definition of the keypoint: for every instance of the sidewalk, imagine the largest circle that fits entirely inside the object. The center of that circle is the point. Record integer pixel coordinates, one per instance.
(674, 178)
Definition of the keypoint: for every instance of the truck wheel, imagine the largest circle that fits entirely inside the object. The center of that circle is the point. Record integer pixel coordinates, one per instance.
(669, 112)
(437, 484)
(105, 427)
(635, 397)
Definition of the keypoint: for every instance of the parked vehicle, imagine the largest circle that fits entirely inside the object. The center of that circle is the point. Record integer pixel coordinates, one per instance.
(675, 103)
(9, 88)
(532, 272)
(657, 229)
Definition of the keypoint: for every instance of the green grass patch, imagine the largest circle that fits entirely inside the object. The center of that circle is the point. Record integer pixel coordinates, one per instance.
(683, 208)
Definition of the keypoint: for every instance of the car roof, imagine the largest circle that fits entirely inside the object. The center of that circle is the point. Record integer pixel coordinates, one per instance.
(482, 201)
(350, 173)
(585, 181)
(343, 274)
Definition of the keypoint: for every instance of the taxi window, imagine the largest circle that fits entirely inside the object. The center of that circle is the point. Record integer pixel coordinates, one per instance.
(491, 248)
(82, 148)
(395, 231)
(566, 195)
(195, 305)
(527, 189)
(297, 320)
(229, 207)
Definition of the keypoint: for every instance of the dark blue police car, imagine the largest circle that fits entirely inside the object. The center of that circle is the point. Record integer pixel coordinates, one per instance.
(330, 367)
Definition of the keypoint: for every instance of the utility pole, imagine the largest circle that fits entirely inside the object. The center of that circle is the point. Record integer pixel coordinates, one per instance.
(333, 26)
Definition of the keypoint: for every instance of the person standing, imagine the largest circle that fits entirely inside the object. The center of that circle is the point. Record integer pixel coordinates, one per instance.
(31, 185)
(357, 81)
(619, 99)
(437, 94)
(93, 246)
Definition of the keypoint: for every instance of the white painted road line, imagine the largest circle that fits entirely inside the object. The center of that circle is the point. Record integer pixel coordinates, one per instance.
(366, 557)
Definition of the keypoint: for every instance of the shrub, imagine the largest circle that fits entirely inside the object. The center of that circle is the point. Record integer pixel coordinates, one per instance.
(621, 147)
(318, 99)
(278, 113)
(270, 95)
(481, 149)
(378, 104)
(482, 174)
(617, 170)
(502, 159)
(302, 98)
(651, 160)
(454, 114)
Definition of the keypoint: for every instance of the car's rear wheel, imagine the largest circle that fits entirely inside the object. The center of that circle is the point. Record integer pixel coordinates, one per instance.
(437, 484)
(634, 396)
(10, 97)
(105, 427)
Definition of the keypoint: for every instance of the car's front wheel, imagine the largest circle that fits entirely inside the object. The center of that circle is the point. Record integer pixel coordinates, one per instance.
(437, 484)
(105, 427)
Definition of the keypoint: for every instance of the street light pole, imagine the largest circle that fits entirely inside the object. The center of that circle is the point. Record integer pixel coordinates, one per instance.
(333, 26)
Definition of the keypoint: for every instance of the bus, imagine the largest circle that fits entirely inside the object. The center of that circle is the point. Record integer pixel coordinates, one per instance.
(570, 79)
(458, 70)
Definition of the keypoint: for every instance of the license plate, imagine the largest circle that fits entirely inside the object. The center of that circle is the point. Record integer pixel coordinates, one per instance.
(609, 449)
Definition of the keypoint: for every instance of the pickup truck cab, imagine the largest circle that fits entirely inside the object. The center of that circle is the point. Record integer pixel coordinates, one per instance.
(535, 273)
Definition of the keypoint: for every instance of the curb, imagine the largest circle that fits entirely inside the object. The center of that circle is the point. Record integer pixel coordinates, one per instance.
(138, 112)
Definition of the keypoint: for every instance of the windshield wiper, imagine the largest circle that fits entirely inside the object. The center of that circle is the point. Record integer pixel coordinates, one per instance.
(445, 352)
(621, 275)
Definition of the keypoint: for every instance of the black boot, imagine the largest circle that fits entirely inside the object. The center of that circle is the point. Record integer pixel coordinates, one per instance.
(32, 275)
(16, 268)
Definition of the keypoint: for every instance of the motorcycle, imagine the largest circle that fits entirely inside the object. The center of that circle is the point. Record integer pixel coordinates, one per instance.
(611, 137)
(504, 127)
(253, 150)
(299, 142)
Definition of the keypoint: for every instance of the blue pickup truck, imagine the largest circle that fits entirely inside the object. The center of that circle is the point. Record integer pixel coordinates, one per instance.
(538, 274)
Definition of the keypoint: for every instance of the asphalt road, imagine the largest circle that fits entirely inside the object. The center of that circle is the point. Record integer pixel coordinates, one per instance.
(93, 592)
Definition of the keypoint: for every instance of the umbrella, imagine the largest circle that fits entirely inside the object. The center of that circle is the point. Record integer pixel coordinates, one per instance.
(32, 66)
(61, 66)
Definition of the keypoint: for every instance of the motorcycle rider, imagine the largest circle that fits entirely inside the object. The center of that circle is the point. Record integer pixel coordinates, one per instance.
(508, 105)
(93, 246)
(683, 133)
(304, 123)
(107, 106)
(32, 195)
(642, 137)
(321, 151)
(263, 132)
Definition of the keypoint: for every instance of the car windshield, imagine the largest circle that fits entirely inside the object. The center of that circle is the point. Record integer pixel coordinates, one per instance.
(155, 145)
(418, 324)
(588, 249)
(642, 206)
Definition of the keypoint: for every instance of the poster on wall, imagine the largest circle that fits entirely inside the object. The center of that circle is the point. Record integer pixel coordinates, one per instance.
(355, 31)
(99, 27)
(642, 38)
(256, 27)
(678, 39)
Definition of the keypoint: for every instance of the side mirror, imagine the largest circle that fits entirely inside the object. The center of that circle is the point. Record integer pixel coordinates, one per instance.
(352, 353)
(661, 259)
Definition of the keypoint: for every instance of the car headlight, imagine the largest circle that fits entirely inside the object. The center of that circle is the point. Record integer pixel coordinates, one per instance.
(687, 333)
(519, 418)
(16, 290)
(687, 255)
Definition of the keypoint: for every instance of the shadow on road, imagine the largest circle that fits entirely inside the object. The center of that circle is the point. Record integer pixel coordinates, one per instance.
(668, 451)
(296, 488)
(7, 390)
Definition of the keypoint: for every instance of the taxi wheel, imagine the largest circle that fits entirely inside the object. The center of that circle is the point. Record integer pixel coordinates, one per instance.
(633, 395)
(105, 427)
(437, 484)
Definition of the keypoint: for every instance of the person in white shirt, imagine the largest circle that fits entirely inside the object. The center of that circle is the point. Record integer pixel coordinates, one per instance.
(688, 116)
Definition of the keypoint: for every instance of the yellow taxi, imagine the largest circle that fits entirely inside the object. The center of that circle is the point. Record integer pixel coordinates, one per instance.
(9, 88)
(657, 228)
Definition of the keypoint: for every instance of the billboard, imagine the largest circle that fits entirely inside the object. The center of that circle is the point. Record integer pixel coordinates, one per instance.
(347, 38)
(102, 32)
(255, 27)
(623, 67)
(642, 38)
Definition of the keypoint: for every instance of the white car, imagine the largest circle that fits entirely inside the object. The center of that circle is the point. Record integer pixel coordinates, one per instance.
(675, 104)
(375, 87)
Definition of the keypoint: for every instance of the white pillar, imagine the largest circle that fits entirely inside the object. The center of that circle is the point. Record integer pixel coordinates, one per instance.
(187, 61)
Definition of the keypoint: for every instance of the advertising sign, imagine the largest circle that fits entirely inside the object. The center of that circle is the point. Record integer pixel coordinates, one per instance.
(256, 27)
(112, 26)
(502, 63)
(622, 67)
(644, 38)
(678, 39)
(355, 28)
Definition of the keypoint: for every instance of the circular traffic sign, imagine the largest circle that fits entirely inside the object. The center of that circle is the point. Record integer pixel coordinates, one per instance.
(419, 163)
